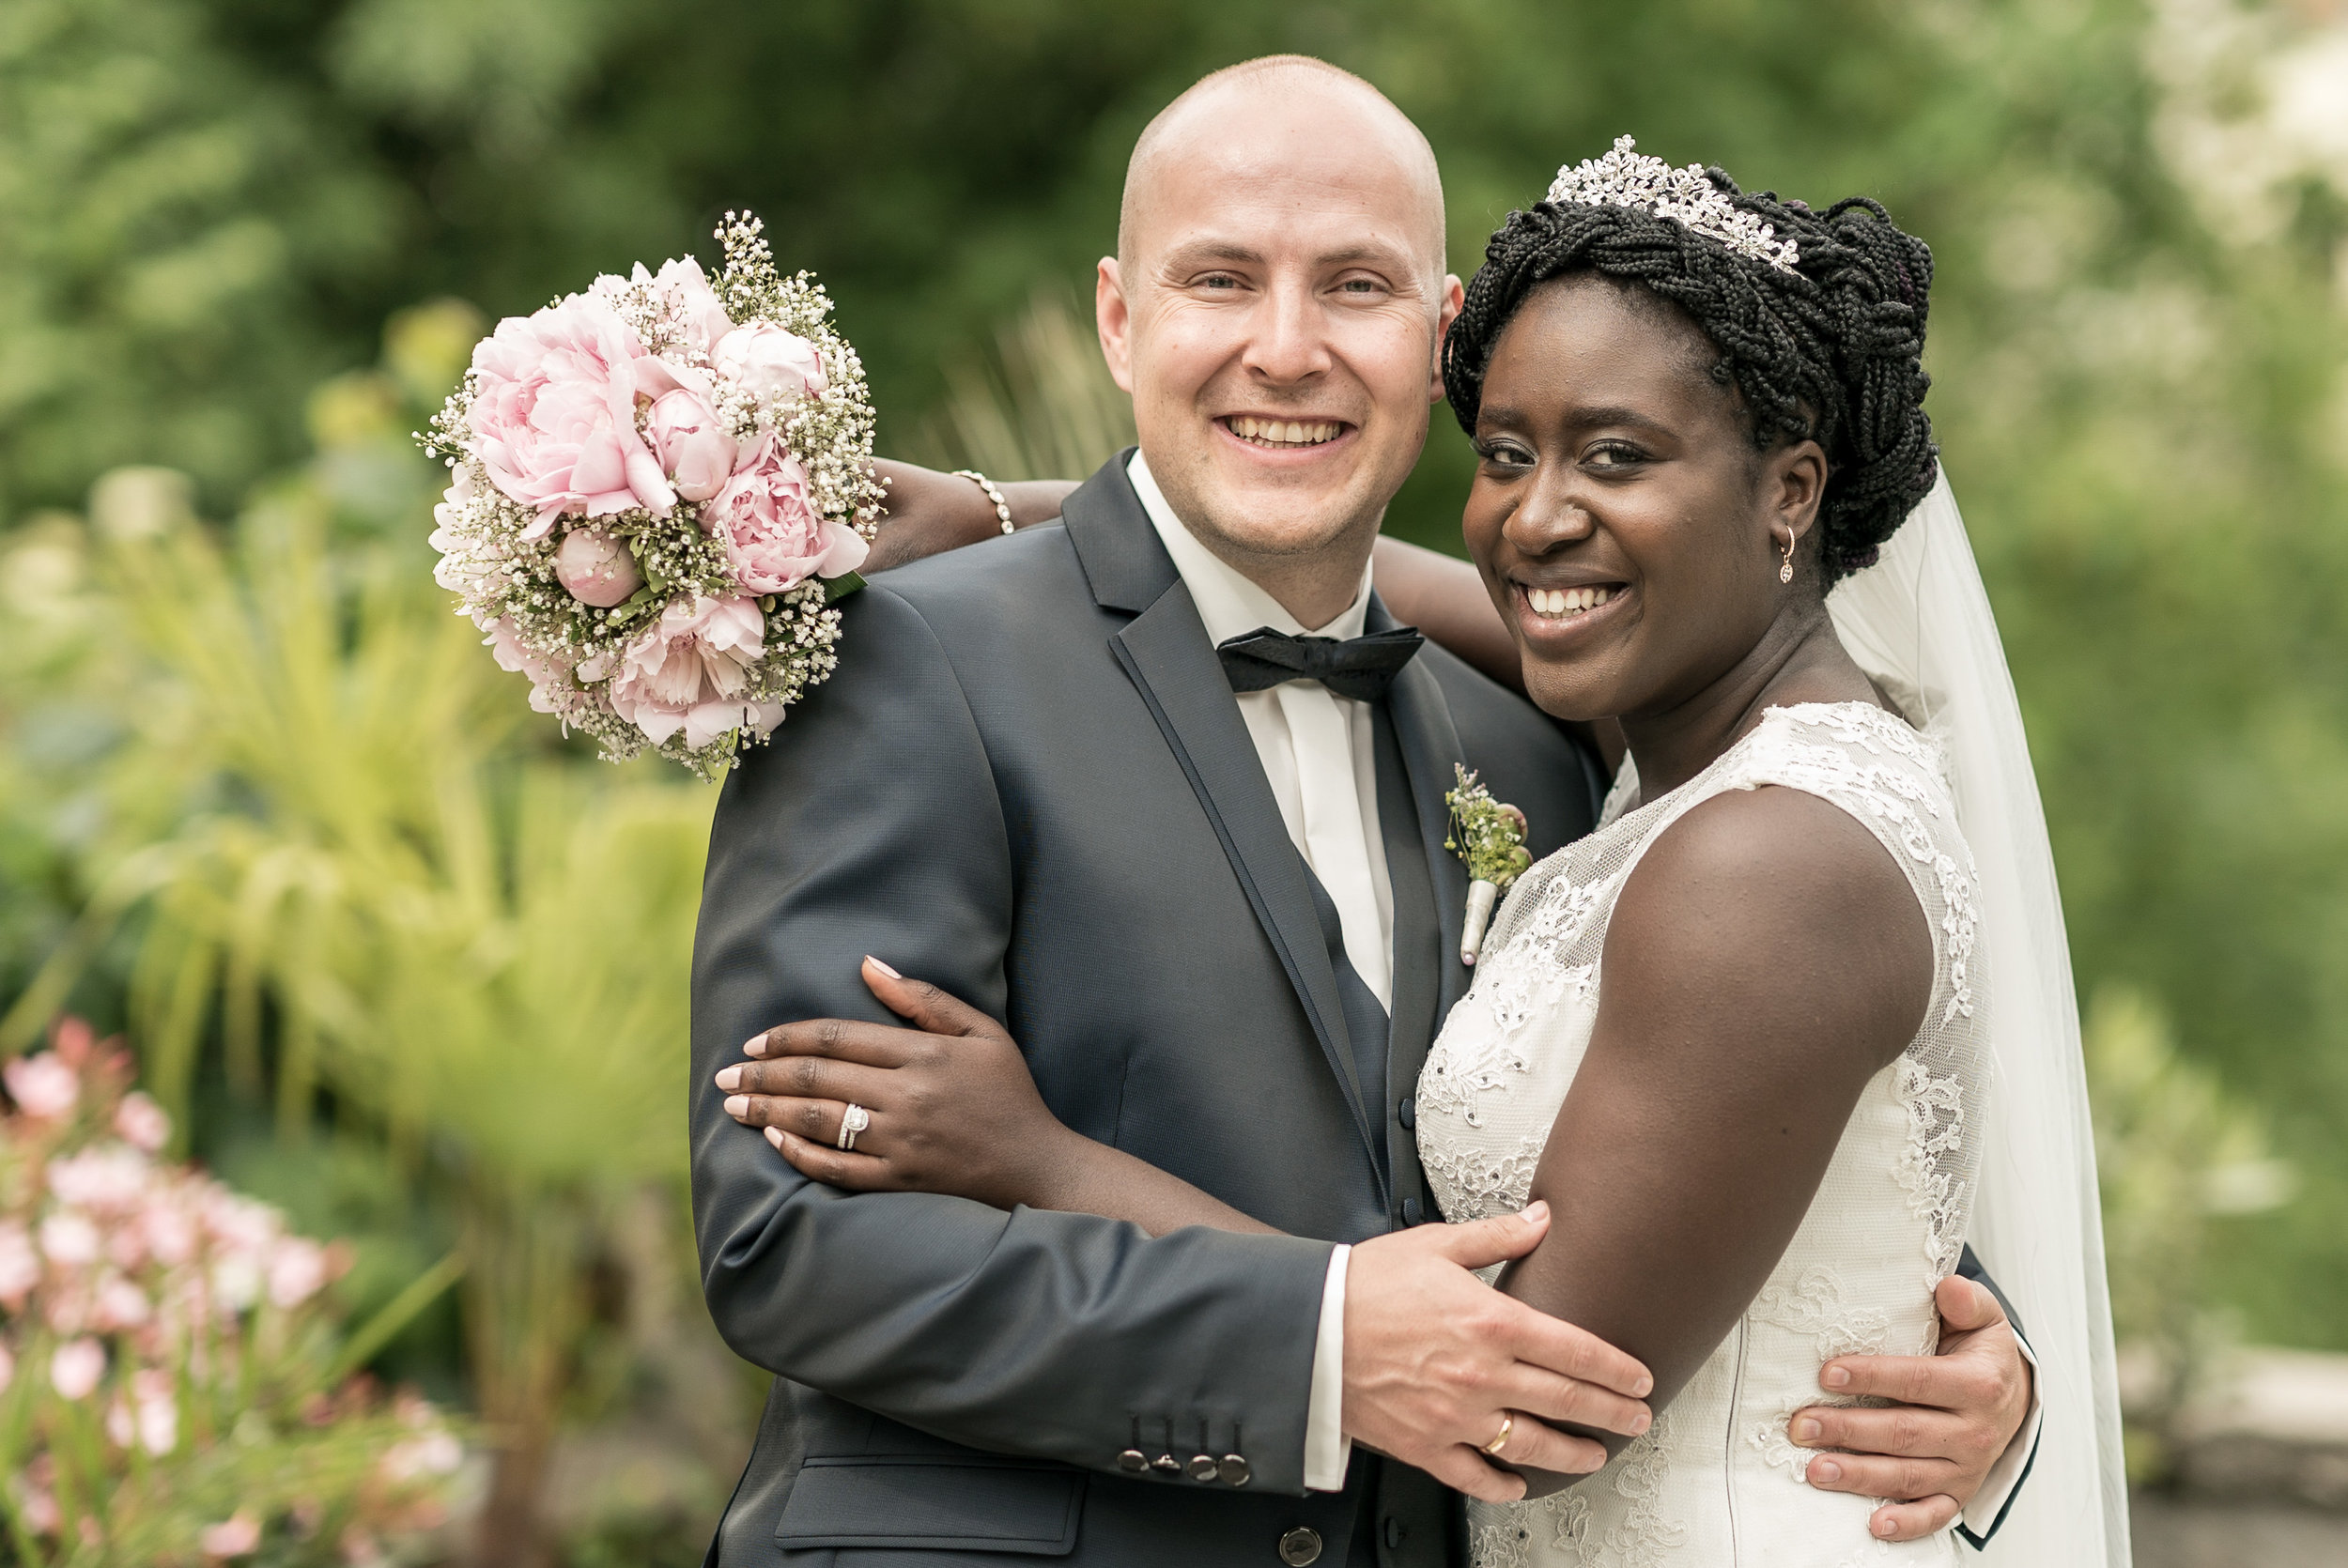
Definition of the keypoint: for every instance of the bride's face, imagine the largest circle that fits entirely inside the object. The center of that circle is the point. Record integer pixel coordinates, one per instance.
(1626, 524)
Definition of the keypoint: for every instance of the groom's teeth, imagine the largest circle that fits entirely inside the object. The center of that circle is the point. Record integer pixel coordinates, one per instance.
(1274, 431)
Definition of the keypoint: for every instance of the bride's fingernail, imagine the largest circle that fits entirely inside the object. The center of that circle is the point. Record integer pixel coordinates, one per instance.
(729, 1078)
(883, 967)
(737, 1105)
(755, 1045)
(774, 1136)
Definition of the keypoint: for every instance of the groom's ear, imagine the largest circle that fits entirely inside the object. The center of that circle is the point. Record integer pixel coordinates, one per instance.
(1454, 297)
(1113, 314)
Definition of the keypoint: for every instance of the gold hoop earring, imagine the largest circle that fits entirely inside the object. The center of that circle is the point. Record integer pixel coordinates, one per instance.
(1786, 567)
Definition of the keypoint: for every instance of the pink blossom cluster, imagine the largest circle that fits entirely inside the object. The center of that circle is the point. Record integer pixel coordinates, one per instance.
(132, 1288)
(639, 473)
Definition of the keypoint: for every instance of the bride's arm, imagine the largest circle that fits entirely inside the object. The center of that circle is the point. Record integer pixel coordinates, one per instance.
(1765, 961)
(954, 1111)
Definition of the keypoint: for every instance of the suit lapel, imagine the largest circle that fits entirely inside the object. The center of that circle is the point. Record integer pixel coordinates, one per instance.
(1430, 750)
(1165, 652)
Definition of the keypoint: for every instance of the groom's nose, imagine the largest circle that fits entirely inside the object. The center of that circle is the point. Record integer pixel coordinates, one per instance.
(1287, 337)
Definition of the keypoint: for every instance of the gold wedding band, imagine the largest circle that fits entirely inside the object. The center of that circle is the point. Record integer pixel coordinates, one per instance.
(1507, 1424)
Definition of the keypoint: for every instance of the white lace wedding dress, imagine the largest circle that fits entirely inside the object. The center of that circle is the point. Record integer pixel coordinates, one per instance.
(1715, 1481)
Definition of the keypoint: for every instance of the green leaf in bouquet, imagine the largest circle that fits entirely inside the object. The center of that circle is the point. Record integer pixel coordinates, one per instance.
(839, 588)
(635, 605)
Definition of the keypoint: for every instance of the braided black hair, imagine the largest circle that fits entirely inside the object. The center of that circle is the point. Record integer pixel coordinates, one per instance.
(1832, 351)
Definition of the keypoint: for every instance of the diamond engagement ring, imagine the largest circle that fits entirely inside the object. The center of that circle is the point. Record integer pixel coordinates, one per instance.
(1507, 1424)
(856, 1119)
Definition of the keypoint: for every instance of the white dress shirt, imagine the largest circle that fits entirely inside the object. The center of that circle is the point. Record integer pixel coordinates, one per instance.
(1318, 753)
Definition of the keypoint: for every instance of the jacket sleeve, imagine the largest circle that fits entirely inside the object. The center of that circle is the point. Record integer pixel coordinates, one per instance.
(872, 825)
(1995, 1500)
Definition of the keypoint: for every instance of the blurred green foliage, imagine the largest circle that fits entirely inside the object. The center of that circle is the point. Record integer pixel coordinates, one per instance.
(209, 208)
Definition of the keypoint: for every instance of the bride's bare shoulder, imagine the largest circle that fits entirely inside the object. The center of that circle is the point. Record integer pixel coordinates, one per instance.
(1773, 912)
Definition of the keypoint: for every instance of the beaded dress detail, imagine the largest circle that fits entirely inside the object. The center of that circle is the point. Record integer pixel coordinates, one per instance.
(1715, 1481)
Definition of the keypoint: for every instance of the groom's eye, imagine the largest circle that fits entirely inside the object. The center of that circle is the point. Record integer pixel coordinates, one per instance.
(1219, 281)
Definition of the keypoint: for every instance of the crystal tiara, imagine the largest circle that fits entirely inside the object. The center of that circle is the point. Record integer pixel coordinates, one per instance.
(1627, 179)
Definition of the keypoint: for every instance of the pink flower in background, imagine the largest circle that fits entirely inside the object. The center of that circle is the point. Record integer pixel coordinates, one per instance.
(8, 1368)
(433, 1454)
(42, 1086)
(75, 1368)
(297, 1270)
(689, 670)
(237, 1536)
(20, 1265)
(69, 1239)
(596, 568)
(102, 1180)
(142, 1123)
(768, 363)
(695, 450)
(120, 1305)
(158, 1410)
(772, 535)
(553, 415)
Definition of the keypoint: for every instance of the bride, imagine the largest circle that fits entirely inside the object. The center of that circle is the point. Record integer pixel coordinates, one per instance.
(1742, 1039)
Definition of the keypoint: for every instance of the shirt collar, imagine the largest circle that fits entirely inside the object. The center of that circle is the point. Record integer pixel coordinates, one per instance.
(1229, 602)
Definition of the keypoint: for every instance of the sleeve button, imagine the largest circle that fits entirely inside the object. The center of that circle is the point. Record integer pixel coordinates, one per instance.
(1236, 1469)
(1133, 1460)
(1202, 1467)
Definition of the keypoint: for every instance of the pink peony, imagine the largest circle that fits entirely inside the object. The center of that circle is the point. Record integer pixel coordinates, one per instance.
(8, 1368)
(768, 363)
(685, 296)
(142, 1123)
(75, 1367)
(553, 414)
(771, 533)
(695, 450)
(596, 569)
(42, 1086)
(689, 670)
(550, 678)
(237, 1536)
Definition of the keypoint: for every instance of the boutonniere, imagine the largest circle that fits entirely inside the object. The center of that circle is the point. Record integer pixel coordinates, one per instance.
(1489, 835)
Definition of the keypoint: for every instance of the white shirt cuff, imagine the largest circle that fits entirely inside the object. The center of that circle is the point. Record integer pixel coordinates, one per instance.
(1327, 1449)
(1981, 1515)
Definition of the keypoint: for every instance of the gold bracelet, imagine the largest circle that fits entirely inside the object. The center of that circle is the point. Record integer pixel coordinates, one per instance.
(1002, 507)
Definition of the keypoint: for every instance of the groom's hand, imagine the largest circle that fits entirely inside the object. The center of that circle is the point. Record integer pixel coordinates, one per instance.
(1436, 1360)
(1955, 1414)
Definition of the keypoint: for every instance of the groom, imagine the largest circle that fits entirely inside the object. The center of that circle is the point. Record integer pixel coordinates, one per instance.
(1220, 920)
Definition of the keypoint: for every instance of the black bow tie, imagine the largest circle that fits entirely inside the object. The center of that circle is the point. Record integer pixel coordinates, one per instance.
(1362, 667)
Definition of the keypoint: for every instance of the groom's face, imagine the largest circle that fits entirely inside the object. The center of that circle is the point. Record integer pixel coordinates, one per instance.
(1275, 311)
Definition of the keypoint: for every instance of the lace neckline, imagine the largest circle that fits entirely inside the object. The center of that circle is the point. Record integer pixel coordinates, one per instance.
(1618, 810)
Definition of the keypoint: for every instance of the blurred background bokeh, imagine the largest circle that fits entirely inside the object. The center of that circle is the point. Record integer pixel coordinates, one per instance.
(404, 962)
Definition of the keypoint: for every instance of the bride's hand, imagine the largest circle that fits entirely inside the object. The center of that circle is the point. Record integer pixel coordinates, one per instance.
(928, 513)
(953, 1108)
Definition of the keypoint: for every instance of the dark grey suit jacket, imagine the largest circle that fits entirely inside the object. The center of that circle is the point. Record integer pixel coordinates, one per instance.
(1029, 783)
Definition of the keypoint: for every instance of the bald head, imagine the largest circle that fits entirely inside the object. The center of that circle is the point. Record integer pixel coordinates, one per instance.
(1278, 110)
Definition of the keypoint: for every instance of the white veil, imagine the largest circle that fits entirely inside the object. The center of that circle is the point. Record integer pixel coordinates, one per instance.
(1919, 622)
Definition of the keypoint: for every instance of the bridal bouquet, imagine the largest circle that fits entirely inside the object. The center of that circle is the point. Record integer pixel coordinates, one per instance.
(657, 490)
